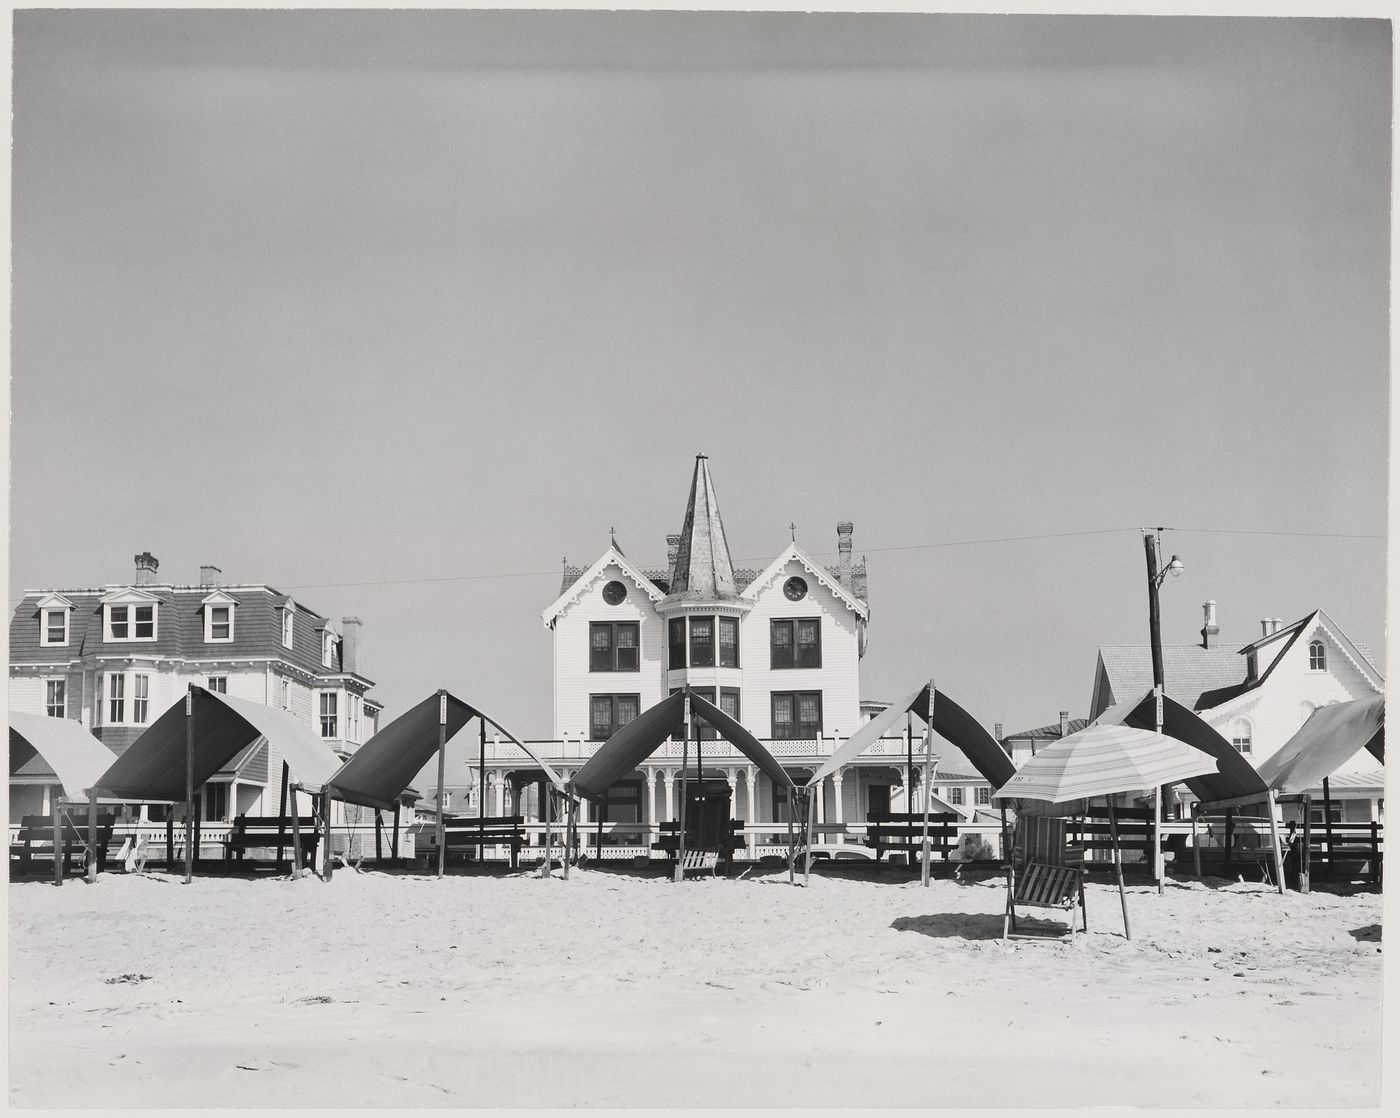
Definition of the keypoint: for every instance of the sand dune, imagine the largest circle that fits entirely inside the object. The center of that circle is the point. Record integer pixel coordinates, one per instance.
(616, 990)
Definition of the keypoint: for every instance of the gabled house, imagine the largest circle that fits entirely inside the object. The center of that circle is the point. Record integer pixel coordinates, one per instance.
(1258, 694)
(117, 657)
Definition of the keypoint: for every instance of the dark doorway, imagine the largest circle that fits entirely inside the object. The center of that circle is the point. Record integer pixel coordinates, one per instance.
(878, 798)
(707, 814)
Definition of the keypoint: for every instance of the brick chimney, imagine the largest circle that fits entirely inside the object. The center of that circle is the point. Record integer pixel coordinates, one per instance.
(843, 547)
(1210, 632)
(350, 644)
(1269, 625)
(1064, 723)
(209, 575)
(146, 566)
(673, 547)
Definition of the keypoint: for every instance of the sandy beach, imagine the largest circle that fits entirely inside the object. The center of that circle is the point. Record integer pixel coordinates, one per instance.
(614, 989)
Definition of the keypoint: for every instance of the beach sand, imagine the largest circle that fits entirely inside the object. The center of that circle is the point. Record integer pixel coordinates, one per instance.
(611, 989)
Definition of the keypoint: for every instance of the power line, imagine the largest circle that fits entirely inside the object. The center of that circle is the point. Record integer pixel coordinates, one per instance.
(864, 551)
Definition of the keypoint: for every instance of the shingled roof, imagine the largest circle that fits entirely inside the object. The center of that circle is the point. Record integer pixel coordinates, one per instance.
(1190, 670)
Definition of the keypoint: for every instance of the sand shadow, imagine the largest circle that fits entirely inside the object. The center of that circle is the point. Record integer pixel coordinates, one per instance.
(953, 925)
(1371, 933)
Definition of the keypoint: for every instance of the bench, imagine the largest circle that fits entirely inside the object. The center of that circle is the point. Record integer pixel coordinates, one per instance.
(34, 843)
(699, 861)
(269, 832)
(461, 834)
(1038, 885)
(904, 832)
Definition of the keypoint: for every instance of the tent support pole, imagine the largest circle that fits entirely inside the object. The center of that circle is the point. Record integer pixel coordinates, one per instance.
(1273, 833)
(92, 866)
(928, 777)
(1118, 866)
(189, 784)
(547, 870)
(481, 795)
(1327, 820)
(1195, 841)
(327, 869)
(569, 827)
(170, 838)
(281, 815)
(598, 846)
(1305, 860)
(909, 763)
(57, 837)
(685, 770)
(394, 842)
(812, 795)
(296, 836)
(378, 837)
(792, 849)
(1229, 840)
(441, 780)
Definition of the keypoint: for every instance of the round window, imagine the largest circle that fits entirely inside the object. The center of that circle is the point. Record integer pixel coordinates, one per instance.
(795, 588)
(614, 592)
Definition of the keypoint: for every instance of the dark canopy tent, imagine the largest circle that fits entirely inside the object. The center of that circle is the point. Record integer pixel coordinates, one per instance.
(637, 740)
(1327, 740)
(153, 767)
(1236, 781)
(384, 767)
(950, 721)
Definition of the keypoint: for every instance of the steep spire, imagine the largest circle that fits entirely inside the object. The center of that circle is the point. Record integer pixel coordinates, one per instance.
(703, 569)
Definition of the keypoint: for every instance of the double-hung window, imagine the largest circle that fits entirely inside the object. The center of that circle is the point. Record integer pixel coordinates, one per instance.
(287, 622)
(116, 698)
(327, 648)
(796, 643)
(797, 714)
(140, 698)
(728, 641)
(675, 639)
(219, 683)
(612, 646)
(329, 722)
(609, 713)
(702, 642)
(221, 623)
(55, 698)
(55, 629)
(131, 622)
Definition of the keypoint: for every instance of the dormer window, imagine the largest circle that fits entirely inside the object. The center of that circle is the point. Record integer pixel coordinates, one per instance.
(53, 620)
(1317, 656)
(288, 616)
(218, 618)
(327, 648)
(131, 616)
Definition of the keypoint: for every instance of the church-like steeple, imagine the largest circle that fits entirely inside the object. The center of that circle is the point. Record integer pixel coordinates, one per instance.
(703, 570)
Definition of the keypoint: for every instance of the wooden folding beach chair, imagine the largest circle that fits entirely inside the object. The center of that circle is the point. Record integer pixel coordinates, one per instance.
(1043, 872)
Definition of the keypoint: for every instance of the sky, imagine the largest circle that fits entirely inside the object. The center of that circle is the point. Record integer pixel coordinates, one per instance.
(395, 311)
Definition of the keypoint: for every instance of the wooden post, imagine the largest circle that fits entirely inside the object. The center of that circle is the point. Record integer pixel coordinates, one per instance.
(909, 763)
(189, 784)
(1195, 840)
(57, 837)
(1305, 858)
(296, 835)
(1229, 840)
(378, 837)
(1158, 868)
(1118, 866)
(1273, 832)
(568, 827)
(394, 844)
(812, 794)
(92, 866)
(685, 768)
(1376, 866)
(598, 845)
(547, 870)
(281, 815)
(481, 794)
(327, 867)
(1327, 820)
(792, 848)
(928, 778)
(441, 779)
(170, 838)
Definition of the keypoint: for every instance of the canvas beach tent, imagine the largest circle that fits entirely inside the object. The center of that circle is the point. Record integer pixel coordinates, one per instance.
(1104, 760)
(948, 720)
(641, 737)
(61, 753)
(196, 738)
(384, 768)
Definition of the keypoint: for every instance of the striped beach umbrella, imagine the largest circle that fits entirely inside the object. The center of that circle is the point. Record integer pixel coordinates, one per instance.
(1102, 761)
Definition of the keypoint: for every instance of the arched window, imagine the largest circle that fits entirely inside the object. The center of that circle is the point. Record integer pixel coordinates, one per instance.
(1242, 735)
(1317, 656)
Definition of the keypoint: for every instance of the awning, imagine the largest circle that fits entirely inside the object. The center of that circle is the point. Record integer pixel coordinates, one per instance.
(153, 767)
(639, 739)
(1329, 738)
(385, 766)
(950, 721)
(1236, 779)
(77, 758)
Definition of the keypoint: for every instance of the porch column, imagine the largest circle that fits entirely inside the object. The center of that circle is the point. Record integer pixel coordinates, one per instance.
(669, 777)
(821, 809)
(750, 777)
(836, 779)
(498, 778)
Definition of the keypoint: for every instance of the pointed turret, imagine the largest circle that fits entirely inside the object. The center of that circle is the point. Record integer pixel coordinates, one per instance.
(703, 570)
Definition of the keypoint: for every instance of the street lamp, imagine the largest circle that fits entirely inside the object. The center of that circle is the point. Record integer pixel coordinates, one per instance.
(1152, 541)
